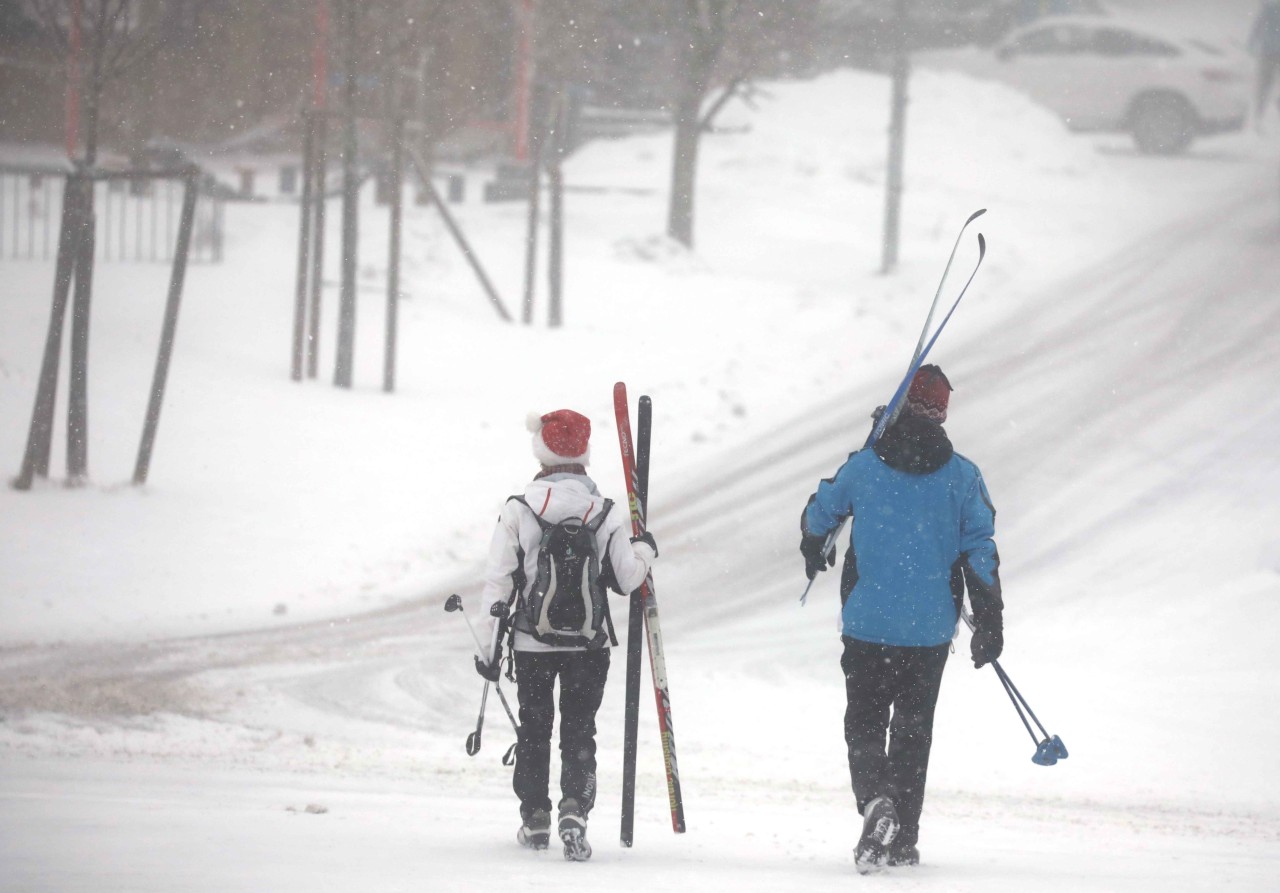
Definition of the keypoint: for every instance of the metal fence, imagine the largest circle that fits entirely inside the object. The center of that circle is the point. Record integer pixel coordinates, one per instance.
(136, 220)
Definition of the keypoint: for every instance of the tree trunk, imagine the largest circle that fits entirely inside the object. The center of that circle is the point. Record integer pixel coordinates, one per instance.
(81, 302)
(684, 165)
(897, 147)
(555, 246)
(344, 368)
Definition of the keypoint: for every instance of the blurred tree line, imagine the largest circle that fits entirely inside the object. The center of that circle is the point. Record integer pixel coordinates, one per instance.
(219, 72)
(204, 70)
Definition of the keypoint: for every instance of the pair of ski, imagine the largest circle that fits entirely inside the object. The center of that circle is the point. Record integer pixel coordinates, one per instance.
(643, 620)
(925, 344)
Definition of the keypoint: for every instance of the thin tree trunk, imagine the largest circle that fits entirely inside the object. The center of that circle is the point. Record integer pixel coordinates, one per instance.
(81, 301)
(555, 244)
(393, 251)
(684, 167)
(343, 372)
(35, 461)
(897, 146)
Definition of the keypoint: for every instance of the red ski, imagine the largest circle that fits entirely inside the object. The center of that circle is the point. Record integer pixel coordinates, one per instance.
(657, 660)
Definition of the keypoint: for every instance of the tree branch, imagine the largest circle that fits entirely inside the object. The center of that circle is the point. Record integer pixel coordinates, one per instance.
(45, 13)
(722, 100)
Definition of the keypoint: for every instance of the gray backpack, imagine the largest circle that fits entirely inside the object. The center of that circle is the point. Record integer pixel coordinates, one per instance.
(567, 604)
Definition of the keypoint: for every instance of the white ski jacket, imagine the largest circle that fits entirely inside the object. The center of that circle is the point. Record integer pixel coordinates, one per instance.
(556, 497)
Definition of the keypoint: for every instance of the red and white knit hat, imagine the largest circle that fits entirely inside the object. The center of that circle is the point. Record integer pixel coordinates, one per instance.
(929, 394)
(561, 437)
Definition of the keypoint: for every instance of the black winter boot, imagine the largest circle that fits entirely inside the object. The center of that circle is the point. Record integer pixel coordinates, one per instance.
(535, 833)
(573, 831)
(879, 827)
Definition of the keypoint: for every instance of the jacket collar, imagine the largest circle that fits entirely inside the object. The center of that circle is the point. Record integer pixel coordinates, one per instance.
(915, 445)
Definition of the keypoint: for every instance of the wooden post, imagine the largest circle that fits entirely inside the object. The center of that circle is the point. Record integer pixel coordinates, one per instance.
(531, 225)
(320, 133)
(82, 299)
(555, 222)
(393, 253)
(304, 246)
(344, 367)
(317, 253)
(420, 166)
(897, 142)
(35, 461)
(555, 245)
(168, 331)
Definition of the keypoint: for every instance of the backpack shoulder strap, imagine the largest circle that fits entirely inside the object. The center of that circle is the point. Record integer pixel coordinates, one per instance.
(596, 523)
(543, 523)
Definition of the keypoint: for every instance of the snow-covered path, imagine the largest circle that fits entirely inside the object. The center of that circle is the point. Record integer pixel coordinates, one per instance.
(144, 828)
(212, 747)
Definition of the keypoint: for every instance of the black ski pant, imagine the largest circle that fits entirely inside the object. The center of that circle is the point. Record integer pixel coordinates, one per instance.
(879, 679)
(582, 677)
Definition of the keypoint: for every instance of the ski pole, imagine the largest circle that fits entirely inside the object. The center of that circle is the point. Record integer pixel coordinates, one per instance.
(1004, 681)
(473, 740)
(452, 604)
(1050, 749)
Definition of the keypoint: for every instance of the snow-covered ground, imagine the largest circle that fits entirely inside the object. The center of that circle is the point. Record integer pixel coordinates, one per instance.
(187, 667)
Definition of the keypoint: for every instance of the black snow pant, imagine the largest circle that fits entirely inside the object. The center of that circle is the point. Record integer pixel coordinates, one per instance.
(877, 678)
(582, 678)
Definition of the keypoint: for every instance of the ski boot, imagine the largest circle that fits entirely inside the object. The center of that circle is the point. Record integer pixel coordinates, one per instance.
(573, 831)
(535, 833)
(879, 827)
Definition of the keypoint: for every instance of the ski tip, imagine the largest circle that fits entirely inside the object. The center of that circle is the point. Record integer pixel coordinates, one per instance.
(644, 400)
(982, 247)
(975, 215)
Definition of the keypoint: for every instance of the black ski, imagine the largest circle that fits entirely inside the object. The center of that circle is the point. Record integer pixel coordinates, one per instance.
(653, 628)
(635, 637)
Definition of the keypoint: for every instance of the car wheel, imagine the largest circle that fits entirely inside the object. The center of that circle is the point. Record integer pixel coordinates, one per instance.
(1162, 125)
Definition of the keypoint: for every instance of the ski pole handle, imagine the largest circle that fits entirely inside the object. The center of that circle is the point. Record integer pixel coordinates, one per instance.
(828, 545)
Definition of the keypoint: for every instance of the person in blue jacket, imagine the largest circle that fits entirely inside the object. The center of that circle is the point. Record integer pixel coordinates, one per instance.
(922, 531)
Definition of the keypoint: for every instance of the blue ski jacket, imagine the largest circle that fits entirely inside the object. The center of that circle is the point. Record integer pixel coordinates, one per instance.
(923, 528)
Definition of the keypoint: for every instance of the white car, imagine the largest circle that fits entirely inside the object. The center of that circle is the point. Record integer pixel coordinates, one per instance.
(1105, 74)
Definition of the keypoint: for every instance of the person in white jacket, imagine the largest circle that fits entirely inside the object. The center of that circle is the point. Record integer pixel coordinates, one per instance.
(560, 491)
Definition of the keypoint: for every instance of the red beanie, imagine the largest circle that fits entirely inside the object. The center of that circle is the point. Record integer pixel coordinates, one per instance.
(561, 437)
(930, 391)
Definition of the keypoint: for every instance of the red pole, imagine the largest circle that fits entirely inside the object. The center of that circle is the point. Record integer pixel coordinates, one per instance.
(73, 81)
(524, 80)
(320, 56)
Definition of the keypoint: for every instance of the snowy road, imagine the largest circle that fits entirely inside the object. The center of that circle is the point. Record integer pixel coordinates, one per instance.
(188, 764)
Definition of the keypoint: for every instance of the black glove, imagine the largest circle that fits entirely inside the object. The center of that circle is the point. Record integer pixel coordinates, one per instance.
(489, 671)
(986, 645)
(814, 561)
(647, 538)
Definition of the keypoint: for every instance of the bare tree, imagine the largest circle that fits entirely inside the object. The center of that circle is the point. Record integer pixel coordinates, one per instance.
(702, 30)
(102, 39)
(722, 43)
